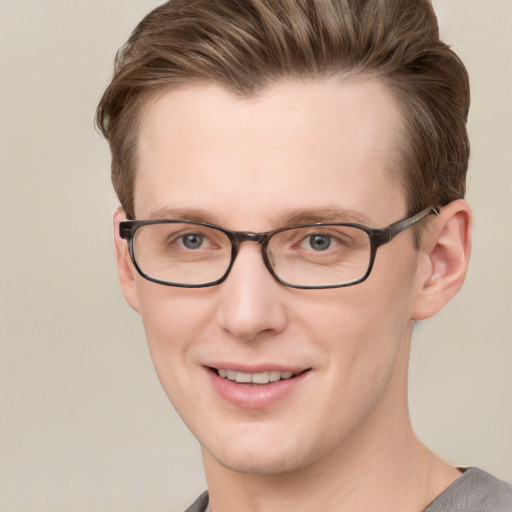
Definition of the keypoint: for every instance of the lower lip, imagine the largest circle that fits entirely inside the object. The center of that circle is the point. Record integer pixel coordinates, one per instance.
(255, 396)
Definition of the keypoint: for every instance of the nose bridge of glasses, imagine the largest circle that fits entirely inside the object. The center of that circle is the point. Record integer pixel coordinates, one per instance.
(237, 237)
(248, 236)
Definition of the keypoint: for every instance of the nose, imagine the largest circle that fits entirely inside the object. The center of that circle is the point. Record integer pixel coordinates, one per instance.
(251, 299)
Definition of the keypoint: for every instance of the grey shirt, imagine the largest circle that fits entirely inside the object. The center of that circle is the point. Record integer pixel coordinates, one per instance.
(474, 491)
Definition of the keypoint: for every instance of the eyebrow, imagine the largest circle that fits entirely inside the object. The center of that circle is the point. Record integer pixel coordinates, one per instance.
(287, 218)
(166, 212)
(324, 215)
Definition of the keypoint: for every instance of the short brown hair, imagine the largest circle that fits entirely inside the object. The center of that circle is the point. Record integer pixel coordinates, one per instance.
(245, 45)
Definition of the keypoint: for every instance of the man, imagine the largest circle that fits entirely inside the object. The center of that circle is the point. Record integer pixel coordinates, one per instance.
(291, 176)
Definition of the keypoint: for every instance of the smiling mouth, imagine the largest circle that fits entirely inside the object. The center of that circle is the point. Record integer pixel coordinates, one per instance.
(260, 378)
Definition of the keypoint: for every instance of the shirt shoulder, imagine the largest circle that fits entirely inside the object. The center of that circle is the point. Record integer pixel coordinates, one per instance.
(474, 491)
(200, 505)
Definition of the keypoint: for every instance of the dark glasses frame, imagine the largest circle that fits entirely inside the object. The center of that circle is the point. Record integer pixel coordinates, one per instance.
(377, 236)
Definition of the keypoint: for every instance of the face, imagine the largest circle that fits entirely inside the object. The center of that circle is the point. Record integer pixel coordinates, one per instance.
(297, 152)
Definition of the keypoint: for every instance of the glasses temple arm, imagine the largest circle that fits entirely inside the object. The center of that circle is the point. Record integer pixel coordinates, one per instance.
(401, 225)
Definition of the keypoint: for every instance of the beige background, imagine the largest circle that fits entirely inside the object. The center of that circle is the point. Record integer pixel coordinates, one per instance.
(84, 425)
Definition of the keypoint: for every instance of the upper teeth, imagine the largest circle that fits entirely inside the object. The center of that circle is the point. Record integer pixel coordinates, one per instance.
(256, 378)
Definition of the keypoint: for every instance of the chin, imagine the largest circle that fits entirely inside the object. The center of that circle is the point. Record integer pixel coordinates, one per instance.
(254, 464)
(268, 459)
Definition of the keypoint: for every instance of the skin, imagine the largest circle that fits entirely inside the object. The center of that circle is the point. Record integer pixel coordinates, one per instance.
(258, 164)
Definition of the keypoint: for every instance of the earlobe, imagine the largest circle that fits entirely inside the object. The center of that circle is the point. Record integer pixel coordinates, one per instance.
(125, 268)
(445, 251)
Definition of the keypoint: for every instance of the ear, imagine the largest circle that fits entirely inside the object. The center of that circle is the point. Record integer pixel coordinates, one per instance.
(444, 258)
(125, 268)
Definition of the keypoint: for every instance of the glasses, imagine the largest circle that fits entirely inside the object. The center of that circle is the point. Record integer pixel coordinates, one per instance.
(196, 254)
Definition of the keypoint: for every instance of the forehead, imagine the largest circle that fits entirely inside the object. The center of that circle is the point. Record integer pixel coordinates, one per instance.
(318, 143)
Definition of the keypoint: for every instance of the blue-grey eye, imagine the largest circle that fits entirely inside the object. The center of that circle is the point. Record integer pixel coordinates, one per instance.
(192, 241)
(319, 242)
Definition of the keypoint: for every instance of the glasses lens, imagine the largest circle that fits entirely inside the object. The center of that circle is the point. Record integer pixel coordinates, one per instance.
(182, 253)
(325, 255)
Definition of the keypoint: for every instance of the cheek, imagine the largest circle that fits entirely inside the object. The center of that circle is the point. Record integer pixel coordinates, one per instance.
(361, 315)
(172, 320)
(361, 343)
(363, 329)
(365, 349)
(170, 314)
